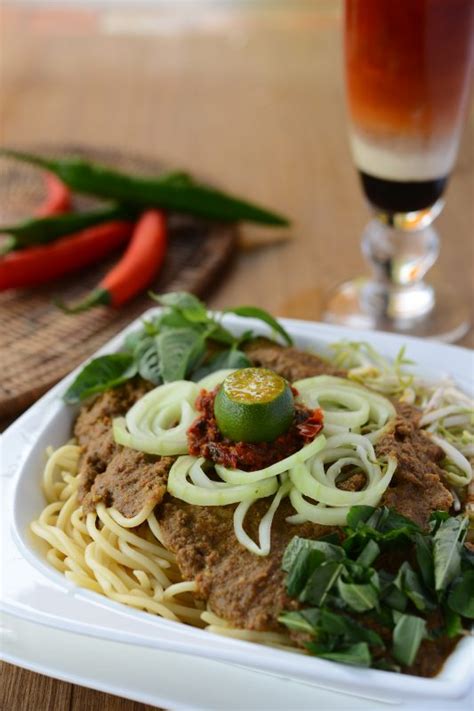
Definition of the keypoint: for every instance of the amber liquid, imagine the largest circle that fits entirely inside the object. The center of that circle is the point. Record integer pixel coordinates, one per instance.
(408, 65)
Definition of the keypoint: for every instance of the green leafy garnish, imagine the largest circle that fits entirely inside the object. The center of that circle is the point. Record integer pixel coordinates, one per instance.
(101, 374)
(178, 350)
(344, 590)
(447, 546)
(355, 654)
(407, 635)
(261, 315)
(231, 358)
(461, 597)
(174, 345)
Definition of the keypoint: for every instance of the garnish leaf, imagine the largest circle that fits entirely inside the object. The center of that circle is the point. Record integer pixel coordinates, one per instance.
(232, 358)
(447, 546)
(177, 350)
(390, 593)
(368, 554)
(407, 636)
(452, 623)
(436, 519)
(320, 582)
(408, 582)
(424, 558)
(461, 597)
(297, 545)
(296, 621)
(345, 586)
(261, 315)
(337, 624)
(101, 374)
(305, 564)
(187, 304)
(360, 597)
(358, 515)
(355, 655)
(148, 360)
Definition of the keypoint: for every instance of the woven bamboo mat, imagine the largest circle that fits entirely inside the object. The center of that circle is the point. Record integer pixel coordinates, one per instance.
(38, 343)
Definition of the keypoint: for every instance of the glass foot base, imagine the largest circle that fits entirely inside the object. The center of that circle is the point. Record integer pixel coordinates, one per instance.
(361, 304)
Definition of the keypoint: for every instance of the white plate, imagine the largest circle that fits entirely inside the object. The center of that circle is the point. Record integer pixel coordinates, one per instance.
(50, 599)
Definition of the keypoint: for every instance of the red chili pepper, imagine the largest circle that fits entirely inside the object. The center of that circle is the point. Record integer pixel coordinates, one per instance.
(39, 265)
(135, 271)
(312, 426)
(58, 197)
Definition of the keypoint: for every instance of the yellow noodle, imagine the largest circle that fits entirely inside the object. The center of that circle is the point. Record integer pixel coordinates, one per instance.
(106, 553)
(270, 638)
(178, 588)
(123, 559)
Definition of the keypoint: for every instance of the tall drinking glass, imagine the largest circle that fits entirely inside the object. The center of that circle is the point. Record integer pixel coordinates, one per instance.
(408, 70)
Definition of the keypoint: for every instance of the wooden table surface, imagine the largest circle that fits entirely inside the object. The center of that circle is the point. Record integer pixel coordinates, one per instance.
(251, 95)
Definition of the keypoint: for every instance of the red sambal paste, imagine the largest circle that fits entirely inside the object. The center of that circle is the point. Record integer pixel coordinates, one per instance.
(206, 440)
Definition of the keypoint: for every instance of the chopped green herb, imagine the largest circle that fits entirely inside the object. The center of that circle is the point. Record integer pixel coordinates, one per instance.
(407, 636)
(447, 546)
(356, 654)
(351, 600)
(461, 597)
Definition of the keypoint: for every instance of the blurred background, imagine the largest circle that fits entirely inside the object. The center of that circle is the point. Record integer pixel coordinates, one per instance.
(248, 93)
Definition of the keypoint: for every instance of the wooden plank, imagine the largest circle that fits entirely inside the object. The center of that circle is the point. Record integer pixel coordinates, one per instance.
(88, 700)
(22, 690)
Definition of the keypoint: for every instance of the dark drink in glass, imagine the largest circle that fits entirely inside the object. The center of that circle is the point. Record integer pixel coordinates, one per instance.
(408, 70)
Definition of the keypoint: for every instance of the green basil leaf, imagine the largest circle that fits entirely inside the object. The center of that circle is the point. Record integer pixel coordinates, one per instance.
(232, 358)
(385, 665)
(467, 558)
(408, 582)
(296, 621)
(320, 582)
(394, 522)
(261, 315)
(395, 598)
(453, 626)
(303, 566)
(133, 340)
(189, 305)
(360, 597)
(101, 374)
(382, 525)
(170, 320)
(358, 515)
(148, 360)
(356, 654)
(352, 631)
(368, 554)
(424, 558)
(177, 350)
(297, 544)
(461, 596)
(218, 333)
(447, 547)
(436, 519)
(407, 636)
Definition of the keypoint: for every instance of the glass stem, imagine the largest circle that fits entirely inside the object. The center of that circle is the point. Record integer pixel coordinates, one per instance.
(400, 259)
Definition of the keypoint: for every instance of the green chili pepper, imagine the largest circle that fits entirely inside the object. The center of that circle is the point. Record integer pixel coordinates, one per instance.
(176, 192)
(46, 229)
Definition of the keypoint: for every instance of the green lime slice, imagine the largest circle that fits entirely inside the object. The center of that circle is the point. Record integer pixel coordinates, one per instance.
(254, 405)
